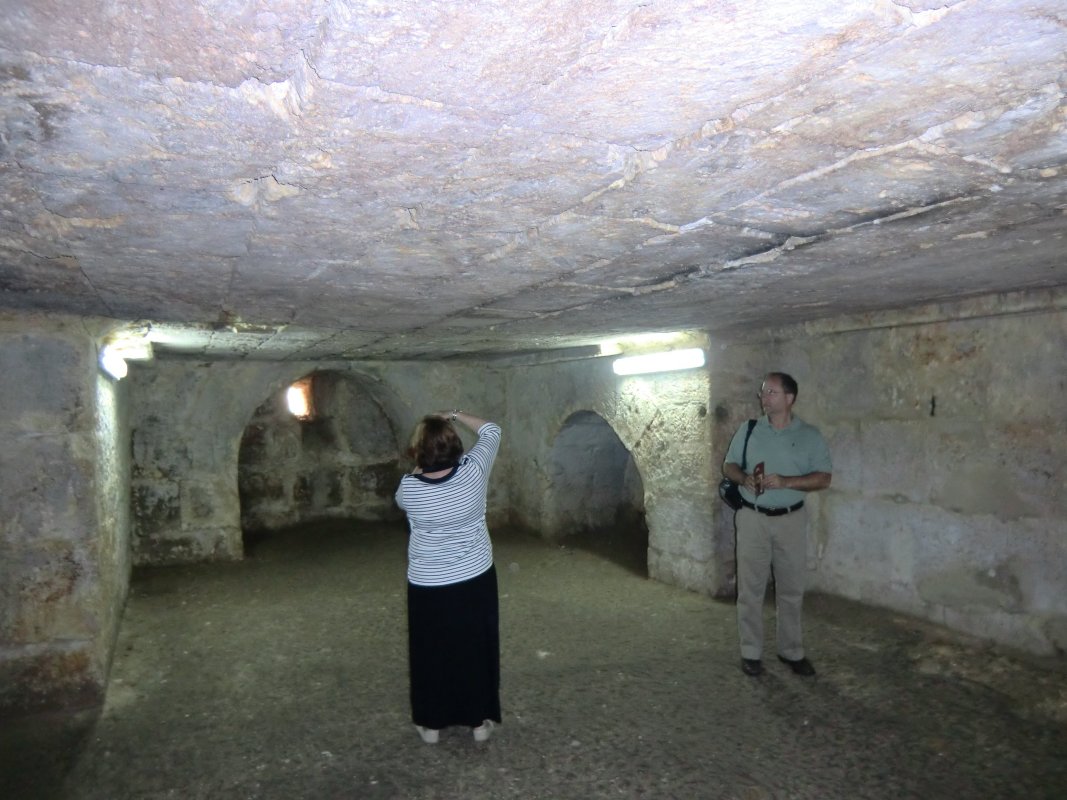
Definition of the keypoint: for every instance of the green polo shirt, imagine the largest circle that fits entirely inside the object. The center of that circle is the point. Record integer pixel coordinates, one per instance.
(796, 449)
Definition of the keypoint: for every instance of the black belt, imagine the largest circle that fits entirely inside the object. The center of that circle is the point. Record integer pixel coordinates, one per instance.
(773, 512)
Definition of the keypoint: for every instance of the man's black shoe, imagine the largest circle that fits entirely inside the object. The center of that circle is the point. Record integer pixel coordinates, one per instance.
(752, 666)
(800, 666)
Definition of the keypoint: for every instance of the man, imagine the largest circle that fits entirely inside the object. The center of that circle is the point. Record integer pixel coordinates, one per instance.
(786, 458)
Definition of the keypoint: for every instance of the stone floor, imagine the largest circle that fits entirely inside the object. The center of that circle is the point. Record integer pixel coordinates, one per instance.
(284, 676)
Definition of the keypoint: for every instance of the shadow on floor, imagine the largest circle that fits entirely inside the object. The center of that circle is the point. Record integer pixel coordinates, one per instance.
(285, 676)
(38, 751)
(625, 545)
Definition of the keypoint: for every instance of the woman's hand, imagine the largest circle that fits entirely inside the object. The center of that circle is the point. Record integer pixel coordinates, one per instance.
(468, 420)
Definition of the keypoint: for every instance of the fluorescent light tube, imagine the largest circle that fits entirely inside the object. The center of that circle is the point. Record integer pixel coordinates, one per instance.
(659, 362)
(112, 362)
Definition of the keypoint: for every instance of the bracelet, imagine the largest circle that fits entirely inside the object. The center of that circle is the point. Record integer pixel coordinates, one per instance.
(454, 412)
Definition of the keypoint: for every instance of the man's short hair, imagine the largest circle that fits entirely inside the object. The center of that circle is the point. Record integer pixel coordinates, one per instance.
(789, 385)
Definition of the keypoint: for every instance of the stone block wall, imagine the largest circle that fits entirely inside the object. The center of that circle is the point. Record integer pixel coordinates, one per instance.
(184, 502)
(64, 513)
(949, 496)
(186, 455)
(186, 505)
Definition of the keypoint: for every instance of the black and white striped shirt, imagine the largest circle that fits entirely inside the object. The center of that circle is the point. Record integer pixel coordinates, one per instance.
(449, 538)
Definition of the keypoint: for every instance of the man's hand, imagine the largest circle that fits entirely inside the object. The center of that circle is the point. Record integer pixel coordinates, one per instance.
(811, 482)
(774, 481)
(739, 476)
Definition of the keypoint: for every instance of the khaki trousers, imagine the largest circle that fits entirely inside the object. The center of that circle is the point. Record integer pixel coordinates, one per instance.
(765, 543)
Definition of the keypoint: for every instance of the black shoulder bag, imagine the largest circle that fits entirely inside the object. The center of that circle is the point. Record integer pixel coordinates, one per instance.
(728, 490)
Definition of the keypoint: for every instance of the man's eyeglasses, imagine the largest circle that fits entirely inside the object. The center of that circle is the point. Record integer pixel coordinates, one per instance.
(768, 392)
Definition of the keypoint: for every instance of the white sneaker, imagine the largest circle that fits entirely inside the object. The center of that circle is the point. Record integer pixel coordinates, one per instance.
(429, 735)
(481, 733)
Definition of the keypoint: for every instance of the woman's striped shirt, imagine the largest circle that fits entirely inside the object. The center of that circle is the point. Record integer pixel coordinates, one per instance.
(449, 538)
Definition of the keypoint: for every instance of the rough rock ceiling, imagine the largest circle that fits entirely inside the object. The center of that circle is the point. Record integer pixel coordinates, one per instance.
(425, 178)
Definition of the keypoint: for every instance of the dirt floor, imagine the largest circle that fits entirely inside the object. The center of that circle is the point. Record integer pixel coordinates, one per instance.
(284, 676)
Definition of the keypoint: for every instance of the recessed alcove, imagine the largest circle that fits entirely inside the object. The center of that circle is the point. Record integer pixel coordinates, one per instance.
(596, 496)
(341, 462)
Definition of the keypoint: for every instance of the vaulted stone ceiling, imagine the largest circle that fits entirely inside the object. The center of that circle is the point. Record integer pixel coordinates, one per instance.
(425, 178)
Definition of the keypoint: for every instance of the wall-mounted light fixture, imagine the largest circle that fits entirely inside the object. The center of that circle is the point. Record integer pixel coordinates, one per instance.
(112, 363)
(115, 354)
(659, 362)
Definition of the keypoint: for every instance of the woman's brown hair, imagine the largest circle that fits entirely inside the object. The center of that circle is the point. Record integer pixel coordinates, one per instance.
(435, 444)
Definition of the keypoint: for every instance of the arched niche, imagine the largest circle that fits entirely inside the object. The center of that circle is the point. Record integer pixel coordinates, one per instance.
(342, 462)
(596, 498)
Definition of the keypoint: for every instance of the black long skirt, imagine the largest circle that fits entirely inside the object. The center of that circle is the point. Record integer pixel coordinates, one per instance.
(454, 652)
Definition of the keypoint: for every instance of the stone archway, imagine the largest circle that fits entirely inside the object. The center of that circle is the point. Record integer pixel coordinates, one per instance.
(595, 498)
(341, 463)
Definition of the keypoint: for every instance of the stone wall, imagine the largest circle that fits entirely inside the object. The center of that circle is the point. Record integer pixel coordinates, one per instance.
(181, 449)
(945, 426)
(948, 499)
(186, 455)
(64, 513)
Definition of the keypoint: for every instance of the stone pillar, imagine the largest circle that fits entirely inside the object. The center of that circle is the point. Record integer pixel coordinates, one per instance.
(186, 506)
(64, 520)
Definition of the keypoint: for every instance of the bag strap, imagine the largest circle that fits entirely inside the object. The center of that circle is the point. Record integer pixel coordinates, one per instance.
(744, 453)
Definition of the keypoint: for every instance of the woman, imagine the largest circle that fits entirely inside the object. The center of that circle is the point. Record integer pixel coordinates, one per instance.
(453, 621)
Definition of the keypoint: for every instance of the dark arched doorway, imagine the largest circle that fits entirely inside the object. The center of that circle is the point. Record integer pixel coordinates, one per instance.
(596, 499)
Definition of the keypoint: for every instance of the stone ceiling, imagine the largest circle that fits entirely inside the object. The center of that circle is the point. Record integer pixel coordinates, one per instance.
(419, 179)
